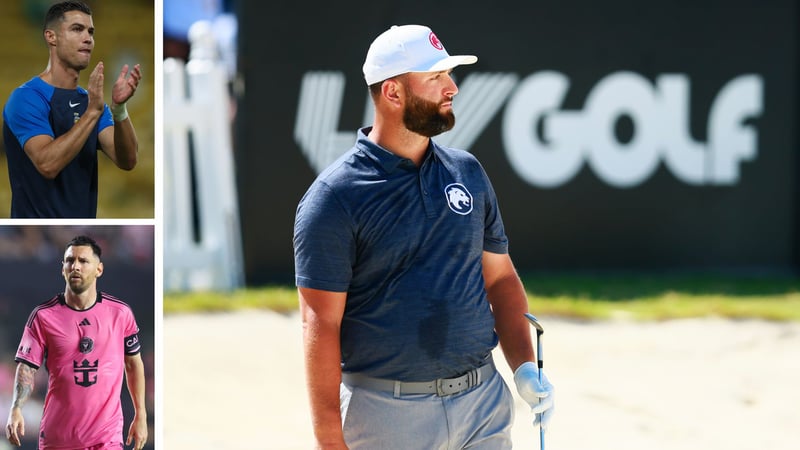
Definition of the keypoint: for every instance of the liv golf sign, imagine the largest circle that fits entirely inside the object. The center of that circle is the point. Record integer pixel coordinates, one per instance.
(546, 144)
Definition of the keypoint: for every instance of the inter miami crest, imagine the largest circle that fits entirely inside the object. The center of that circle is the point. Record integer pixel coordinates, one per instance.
(458, 198)
(86, 345)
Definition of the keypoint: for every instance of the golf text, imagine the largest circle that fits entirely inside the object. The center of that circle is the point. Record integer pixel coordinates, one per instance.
(547, 144)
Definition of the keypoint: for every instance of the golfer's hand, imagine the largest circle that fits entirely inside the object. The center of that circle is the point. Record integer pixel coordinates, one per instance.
(15, 427)
(95, 88)
(126, 84)
(137, 433)
(538, 395)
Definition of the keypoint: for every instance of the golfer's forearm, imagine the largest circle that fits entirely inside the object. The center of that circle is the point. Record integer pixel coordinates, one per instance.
(509, 304)
(516, 345)
(324, 375)
(321, 313)
(326, 417)
(328, 431)
(23, 385)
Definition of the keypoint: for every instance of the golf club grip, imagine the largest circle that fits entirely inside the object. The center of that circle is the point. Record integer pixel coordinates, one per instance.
(539, 356)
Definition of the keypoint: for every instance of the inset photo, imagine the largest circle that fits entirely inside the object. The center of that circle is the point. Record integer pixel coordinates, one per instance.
(78, 109)
(77, 336)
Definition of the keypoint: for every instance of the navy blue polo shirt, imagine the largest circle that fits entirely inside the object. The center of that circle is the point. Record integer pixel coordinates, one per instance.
(406, 245)
(37, 108)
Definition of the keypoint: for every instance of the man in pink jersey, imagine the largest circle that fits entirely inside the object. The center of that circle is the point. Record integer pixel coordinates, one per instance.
(86, 339)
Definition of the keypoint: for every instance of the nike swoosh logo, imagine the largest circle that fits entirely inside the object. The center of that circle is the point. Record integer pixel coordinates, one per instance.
(72, 105)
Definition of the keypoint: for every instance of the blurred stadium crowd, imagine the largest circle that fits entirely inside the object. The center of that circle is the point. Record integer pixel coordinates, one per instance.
(46, 243)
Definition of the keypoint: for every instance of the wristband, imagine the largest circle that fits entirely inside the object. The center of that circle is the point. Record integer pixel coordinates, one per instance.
(119, 112)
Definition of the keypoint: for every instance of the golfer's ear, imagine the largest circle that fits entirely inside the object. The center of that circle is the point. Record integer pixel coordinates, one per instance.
(392, 89)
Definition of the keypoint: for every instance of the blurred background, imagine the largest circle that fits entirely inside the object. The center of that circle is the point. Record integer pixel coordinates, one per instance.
(124, 35)
(30, 261)
(618, 137)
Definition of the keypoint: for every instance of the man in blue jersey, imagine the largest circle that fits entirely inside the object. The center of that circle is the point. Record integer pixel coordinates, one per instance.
(404, 277)
(52, 128)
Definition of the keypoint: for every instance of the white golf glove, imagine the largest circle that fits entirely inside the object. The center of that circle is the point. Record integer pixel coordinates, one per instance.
(538, 395)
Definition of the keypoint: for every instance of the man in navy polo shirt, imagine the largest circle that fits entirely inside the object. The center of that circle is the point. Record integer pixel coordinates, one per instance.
(52, 128)
(404, 276)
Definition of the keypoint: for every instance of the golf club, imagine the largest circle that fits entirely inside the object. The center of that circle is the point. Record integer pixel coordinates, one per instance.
(540, 362)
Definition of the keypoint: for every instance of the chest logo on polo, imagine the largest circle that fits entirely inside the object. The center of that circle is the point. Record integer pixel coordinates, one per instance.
(458, 198)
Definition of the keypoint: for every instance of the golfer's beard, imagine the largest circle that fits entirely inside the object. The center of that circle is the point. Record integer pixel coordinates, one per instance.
(423, 117)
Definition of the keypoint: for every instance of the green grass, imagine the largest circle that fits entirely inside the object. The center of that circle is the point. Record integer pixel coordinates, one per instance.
(665, 297)
(637, 297)
(277, 298)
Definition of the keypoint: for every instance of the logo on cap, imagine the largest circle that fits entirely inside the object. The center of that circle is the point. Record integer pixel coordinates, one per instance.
(435, 41)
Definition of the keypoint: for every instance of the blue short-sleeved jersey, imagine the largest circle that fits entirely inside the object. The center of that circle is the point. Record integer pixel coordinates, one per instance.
(406, 245)
(37, 108)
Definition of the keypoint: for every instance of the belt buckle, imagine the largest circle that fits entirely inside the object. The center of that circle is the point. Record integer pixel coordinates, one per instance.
(440, 388)
(462, 383)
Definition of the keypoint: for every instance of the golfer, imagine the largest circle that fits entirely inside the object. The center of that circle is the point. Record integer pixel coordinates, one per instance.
(52, 128)
(404, 277)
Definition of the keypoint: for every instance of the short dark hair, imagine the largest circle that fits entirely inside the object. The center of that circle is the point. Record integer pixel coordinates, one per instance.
(375, 89)
(79, 241)
(56, 12)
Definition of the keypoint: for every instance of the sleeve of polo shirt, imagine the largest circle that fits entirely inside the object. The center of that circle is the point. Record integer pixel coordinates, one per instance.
(324, 244)
(494, 235)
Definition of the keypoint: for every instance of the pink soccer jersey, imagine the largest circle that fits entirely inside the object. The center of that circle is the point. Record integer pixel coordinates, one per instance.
(84, 352)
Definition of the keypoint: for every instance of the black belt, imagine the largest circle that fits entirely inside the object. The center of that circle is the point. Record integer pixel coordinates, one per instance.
(441, 387)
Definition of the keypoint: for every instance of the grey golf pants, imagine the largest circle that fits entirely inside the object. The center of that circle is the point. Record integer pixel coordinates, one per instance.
(479, 418)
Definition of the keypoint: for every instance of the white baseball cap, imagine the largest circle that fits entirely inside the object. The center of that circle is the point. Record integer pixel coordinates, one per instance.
(408, 48)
